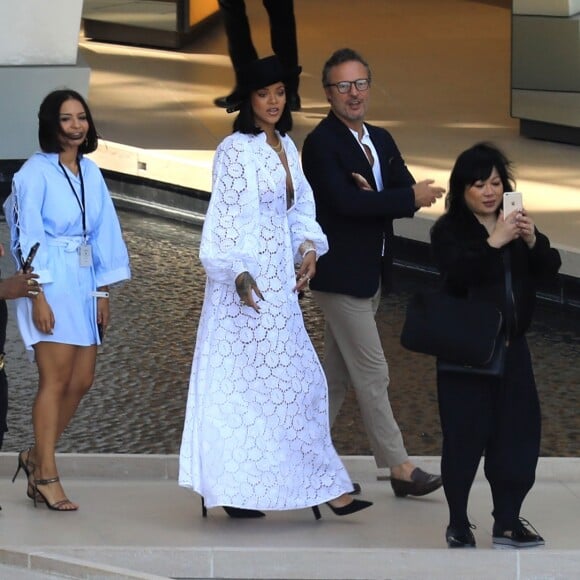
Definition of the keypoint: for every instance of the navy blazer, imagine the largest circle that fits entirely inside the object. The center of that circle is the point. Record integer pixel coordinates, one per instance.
(358, 223)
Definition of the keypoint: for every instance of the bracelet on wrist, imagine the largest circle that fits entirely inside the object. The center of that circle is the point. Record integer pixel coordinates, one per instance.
(307, 251)
(305, 245)
(33, 293)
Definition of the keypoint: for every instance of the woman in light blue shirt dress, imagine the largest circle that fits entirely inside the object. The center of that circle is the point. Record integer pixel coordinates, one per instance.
(59, 199)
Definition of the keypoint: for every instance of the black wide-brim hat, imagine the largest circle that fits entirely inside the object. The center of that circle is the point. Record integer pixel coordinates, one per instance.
(257, 75)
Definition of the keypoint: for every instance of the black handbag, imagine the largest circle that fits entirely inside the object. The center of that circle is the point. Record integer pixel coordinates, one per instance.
(459, 330)
(493, 368)
(466, 335)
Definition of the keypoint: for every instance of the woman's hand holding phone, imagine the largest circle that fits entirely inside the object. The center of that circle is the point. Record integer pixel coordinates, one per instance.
(28, 262)
(512, 204)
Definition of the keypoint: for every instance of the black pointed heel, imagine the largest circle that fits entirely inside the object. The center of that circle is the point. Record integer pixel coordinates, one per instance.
(234, 512)
(316, 512)
(356, 505)
(240, 513)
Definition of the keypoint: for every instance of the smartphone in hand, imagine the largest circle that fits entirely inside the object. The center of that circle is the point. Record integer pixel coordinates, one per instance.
(512, 202)
(28, 262)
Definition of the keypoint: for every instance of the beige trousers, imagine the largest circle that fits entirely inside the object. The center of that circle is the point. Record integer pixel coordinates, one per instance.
(353, 356)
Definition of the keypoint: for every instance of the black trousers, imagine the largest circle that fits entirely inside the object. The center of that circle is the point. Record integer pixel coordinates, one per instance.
(282, 34)
(499, 419)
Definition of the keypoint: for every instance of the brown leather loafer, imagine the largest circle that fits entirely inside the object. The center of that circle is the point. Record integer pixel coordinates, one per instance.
(421, 483)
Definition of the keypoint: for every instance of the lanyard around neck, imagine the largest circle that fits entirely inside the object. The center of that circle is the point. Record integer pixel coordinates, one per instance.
(81, 201)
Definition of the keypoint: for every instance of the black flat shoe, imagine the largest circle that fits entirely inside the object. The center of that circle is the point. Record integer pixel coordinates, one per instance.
(228, 102)
(421, 483)
(523, 535)
(460, 537)
(223, 102)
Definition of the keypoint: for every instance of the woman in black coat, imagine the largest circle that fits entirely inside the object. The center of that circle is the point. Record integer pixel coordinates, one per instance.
(499, 418)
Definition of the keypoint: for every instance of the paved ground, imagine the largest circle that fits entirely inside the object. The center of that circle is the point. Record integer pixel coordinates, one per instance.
(441, 82)
(133, 516)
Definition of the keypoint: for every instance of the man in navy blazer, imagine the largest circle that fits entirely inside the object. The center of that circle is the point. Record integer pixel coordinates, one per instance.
(361, 184)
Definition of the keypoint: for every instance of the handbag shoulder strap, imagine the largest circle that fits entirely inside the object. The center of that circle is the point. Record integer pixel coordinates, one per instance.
(509, 294)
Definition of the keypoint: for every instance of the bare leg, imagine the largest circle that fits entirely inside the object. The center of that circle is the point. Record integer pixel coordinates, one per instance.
(81, 381)
(66, 373)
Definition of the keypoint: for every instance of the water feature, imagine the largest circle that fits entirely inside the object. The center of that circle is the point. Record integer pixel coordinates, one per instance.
(138, 400)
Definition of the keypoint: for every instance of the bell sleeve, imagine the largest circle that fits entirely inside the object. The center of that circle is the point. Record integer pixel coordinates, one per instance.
(22, 209)
(110, 256)
(229, 242)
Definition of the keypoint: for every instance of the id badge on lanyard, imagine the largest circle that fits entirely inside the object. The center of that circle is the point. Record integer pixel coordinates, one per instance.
(85, 255)
(85, 250)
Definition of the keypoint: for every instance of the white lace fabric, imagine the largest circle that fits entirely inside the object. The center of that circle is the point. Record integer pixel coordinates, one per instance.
(256, 432)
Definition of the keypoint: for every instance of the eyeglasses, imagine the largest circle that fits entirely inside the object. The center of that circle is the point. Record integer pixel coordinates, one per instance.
(344, 86)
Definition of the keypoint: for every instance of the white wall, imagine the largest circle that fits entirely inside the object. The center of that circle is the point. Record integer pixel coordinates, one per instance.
(39, 32)
(38, 54)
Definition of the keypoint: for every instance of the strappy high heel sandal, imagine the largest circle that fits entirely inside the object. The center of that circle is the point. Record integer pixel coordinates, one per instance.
(57, 506)
(28, 468)
(234, 512)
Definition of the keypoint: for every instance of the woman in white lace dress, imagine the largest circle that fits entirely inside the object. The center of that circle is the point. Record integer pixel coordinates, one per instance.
(256, 433)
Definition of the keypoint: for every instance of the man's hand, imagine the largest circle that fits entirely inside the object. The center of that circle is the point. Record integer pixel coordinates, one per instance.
(361, 181)
(19, 286)
(245, 284)
(426, 194)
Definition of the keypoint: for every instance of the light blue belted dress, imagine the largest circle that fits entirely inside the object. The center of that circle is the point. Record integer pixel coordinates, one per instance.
(44, 208)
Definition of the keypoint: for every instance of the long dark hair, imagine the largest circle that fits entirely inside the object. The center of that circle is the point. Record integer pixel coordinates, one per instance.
(49, 128)
(245, 122)
(475, 164)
